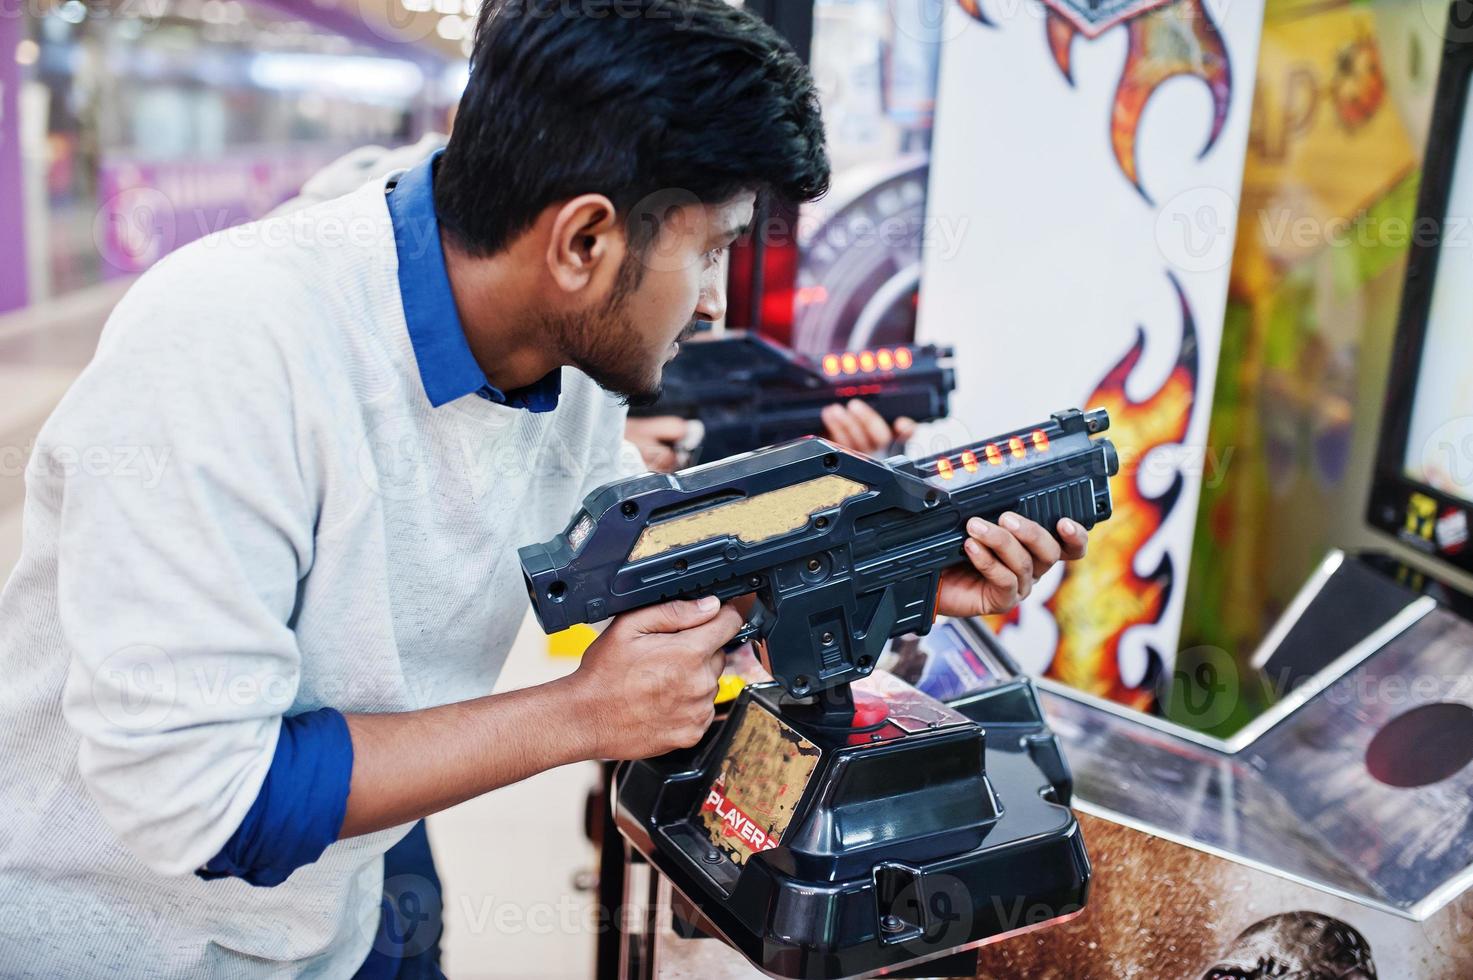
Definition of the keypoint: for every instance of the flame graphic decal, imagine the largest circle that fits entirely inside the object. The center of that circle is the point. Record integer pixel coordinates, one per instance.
(1165, 41)
(1099, 599)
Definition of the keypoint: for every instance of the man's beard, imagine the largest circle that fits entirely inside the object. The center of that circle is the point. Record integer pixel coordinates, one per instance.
(605, 344)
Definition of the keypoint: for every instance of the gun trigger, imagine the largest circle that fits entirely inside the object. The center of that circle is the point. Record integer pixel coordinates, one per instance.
(748, 632)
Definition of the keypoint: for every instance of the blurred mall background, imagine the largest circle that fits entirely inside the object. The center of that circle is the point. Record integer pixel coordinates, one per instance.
(1042, 228)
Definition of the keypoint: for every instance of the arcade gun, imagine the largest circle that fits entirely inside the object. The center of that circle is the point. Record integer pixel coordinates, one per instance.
(748, 392)
(837, 822)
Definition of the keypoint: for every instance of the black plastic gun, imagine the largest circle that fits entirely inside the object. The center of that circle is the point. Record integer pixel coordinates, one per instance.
(749, 392)
(842, 551)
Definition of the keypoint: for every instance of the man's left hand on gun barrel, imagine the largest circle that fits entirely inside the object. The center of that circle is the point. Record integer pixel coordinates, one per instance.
(1007, 560)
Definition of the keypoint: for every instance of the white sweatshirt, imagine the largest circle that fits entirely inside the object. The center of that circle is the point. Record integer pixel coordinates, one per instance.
(245, 507)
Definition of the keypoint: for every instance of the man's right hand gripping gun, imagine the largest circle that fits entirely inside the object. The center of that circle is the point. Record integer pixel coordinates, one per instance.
(843, 551)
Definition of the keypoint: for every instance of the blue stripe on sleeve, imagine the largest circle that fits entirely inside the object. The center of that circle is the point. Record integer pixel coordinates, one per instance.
(300, 808)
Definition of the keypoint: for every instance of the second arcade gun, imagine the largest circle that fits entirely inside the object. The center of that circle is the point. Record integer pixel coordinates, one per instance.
(838, 824)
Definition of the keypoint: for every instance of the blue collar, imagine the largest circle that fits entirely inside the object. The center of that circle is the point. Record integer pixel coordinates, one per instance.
(447, 369)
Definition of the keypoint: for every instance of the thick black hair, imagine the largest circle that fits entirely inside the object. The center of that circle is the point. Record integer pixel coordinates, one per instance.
(627, 98)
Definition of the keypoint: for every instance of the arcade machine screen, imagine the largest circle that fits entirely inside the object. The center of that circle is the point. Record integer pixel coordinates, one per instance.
(1423, 491)
(1358, 773)
(1439, 445)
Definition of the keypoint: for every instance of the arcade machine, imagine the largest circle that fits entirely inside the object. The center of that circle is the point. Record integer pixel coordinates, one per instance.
(835, 821)
(1332, 835)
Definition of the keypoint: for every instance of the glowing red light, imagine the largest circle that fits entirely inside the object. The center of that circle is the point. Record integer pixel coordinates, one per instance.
(886, 360)
(867, 362)
(850, 363)
(994, 455)
(903, 358)
(943, 466)
(831, 365)
(1040, 440)
(1015, 445)
(969, 461)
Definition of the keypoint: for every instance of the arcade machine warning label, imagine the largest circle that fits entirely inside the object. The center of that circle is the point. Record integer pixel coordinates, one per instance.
(762, 777)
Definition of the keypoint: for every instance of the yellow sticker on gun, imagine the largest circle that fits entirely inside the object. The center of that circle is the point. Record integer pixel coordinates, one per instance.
(752, 519)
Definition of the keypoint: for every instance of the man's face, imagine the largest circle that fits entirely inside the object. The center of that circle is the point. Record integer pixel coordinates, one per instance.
(625, 339)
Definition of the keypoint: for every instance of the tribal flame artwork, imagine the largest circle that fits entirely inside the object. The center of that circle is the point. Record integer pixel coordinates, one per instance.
(1177, 38)
(1098, 600)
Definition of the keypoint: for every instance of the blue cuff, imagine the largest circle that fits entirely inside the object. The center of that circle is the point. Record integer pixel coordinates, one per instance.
(300, 808)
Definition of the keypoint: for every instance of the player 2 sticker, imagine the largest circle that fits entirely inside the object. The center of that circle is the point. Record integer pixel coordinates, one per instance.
(762, 777)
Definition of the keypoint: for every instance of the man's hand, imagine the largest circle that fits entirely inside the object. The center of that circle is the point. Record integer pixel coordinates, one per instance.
(1007, 559)
(650, 679)
(658, 440)
(648, 685)
(858, 427)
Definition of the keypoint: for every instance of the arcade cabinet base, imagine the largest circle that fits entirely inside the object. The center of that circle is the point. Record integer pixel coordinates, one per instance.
(832, 851)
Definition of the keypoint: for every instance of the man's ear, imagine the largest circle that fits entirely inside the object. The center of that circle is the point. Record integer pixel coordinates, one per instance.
(587, 243)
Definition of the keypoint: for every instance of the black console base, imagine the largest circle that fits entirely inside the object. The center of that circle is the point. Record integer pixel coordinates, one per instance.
(919, 831)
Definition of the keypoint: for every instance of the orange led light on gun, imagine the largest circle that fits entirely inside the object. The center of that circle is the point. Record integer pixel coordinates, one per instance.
(850, 363)
(1040, 440)
(867, 362)
(885, 360)
(1015, 446)
(994, 455)
(903, 358)
(969, 461)
(943, 466)
(831, 365)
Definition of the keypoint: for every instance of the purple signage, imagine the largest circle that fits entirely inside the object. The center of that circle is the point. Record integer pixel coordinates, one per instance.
(150, 208)
(12, 223)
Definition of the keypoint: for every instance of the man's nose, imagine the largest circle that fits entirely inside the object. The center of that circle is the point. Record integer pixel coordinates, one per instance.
(712, 303)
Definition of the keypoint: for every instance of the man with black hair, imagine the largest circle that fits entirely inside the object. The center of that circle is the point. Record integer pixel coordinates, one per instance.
(234, 688)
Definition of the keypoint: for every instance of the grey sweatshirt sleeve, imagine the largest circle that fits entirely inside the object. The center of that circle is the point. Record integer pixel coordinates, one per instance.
(178, 573)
